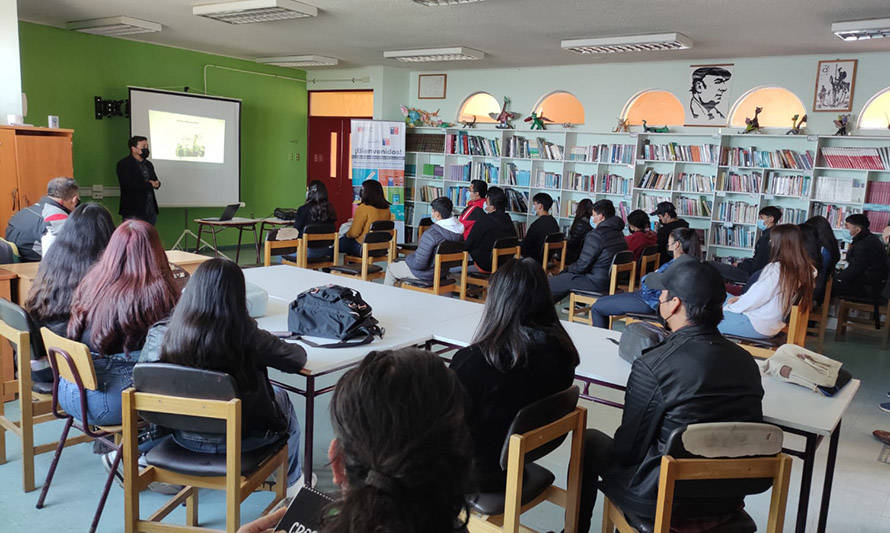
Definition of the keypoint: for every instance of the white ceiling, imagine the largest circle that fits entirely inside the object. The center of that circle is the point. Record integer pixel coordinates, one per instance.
(512, 33)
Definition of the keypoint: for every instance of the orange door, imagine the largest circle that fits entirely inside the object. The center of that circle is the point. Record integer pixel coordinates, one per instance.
(40, 159)
(8, 179)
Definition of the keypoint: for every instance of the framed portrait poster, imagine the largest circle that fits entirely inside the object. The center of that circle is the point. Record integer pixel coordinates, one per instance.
(709, 103)
(431, 86)
(835, 81)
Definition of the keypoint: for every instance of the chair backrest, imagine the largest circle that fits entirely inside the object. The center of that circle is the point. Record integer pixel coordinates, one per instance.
(542, 412)
(622, 262)
(317, 234)
(502, 250)
(449, 254)
(18, 319)
(650, 260)
(424, 224)
(377, 243)
(70, 359)
(382, 225)
(553, 243)
(8, 252)
(273, 246)
(185, 382)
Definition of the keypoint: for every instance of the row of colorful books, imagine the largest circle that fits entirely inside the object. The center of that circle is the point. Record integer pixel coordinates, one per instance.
(615, 184)
(792, 215)
(547, 180)
(836, 214)
(698, 206)
(696, 153)
(648, 202)
(878, 192)
(695, 182)
(735, 182)
(752, 157)
(737, 212)
(737, 236)
(654, 180)
(428, 193)
(516, 176)
(603, 153)
(474, 170)
(786, 185)
(516, 200)
(840, 189)
(577, 181)
(465, 144)
(538, 149)
(459, 196)
(867, 158)
(878, 219)
(425, 142)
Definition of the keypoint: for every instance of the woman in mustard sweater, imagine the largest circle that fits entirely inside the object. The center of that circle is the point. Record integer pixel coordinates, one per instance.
(373, 207)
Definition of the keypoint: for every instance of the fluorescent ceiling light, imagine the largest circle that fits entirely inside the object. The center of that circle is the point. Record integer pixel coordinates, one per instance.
(629, 43)
(456, 53)
(860, 30)
(298, 61)
(248, 11)
(437, 3)
(114, 26)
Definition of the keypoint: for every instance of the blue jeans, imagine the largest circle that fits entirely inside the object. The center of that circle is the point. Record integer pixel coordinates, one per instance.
(197, 442)
(114, 374)
(738, 324)
(617, 304)
(350, 246)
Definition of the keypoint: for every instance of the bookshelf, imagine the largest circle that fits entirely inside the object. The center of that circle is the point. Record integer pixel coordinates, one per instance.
(718, 181)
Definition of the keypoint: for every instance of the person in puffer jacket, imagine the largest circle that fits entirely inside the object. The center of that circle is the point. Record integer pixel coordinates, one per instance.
(421, 264)
(591, 271)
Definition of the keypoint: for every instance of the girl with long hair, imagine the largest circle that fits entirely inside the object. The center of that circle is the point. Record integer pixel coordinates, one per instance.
(130, 288)
(211, 329)
(829, 249)
(578, 230)
(372, 208)
(317, 210)
(788, 278)
(401, 453)
(520, 354)
(78, 245)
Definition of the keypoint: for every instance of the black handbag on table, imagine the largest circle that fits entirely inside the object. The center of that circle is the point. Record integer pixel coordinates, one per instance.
(332, 312)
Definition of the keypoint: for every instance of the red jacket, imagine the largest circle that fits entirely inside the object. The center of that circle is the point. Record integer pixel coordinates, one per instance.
(638, 240)
(470, 214)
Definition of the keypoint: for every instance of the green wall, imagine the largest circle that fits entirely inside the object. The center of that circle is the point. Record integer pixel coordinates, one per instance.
(63, 70)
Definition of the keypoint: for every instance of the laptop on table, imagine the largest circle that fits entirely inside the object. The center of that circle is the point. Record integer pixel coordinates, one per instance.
(227, 214)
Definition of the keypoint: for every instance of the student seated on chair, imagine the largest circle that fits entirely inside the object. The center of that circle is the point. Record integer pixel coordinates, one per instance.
(741, 271)
(495, 224)
(372, 208)
(683, 244)
(866, 270)
(640, 235)
(695, 375)
(210, 329)
(667, 222)
(37, 225)
(579, 229)
(759, 313)
(77, 247)
(421, 264)
(316, 210)
(130, 288)
(591, 271)
(401, 453)
(475, 206)
(521, 354)
(830, 253)
(543, 226)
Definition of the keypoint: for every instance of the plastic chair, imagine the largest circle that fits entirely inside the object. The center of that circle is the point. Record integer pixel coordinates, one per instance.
(582, 301)
(449, 255)
(319, 236)
(377, 247)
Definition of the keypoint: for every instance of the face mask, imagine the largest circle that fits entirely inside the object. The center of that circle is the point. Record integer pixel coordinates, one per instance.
(592, 223)
(662, 318)
(848, 237)
(761, 225)
(144, 153)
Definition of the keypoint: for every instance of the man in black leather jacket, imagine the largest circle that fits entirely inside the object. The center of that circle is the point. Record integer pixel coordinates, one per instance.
(591, 271)
(866, 271)
(695, 375)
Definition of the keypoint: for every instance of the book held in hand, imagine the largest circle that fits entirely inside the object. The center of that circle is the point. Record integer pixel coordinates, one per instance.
(305, 512)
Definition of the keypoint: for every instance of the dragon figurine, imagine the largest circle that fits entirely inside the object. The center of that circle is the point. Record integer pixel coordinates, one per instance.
(654, 129)
(842, 124)
(536, 120)
(796, 127)
(752, 125)
(504, 117)
(622, 126)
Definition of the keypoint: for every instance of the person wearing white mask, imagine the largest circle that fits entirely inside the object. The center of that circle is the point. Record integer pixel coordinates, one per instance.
(742, 271)
(866, 271)
(495, 224)
(421, 264)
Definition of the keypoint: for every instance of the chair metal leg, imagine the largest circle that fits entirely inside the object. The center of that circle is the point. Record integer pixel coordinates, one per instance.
(52, 466)
(104, 497)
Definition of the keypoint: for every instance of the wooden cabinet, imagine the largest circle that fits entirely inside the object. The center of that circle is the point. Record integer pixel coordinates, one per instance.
(29, 158)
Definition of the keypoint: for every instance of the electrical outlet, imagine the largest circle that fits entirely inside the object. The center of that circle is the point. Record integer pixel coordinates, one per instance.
(296, 157)
(97, 192)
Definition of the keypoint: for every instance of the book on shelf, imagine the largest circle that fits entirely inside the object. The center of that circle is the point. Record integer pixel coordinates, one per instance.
(696, 153)
(603, 153)
(474, 170)
(570, 207)
(787, 185)
(519, 226)
(410, 169)
(839, 189)
(752, 157)
(736, 182)
(521, 147)
(517, 201)
(698, 206)
(433, 170)
(737, 212)
(614, 184)
(577, 181)
(792, 215)
(728, 259)
(836, 214)
(649, 202)
(425, 142)
(547, 180)
(459, 196)
(516, 176)
(878, 220)
(734, 235)
(653, 180)
(878, 193)
(462, 143)
(852, 157)
(695, 182)
(428, 193)
(622, 210)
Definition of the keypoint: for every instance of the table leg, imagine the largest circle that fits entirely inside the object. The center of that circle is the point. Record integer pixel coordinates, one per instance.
(215, 246)
(829, 478)
(806, 479)
(256, 242)
(238, 249)
(309, 430)
(198, 242)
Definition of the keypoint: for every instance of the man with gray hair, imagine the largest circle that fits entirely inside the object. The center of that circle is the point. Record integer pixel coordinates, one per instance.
(34, 228)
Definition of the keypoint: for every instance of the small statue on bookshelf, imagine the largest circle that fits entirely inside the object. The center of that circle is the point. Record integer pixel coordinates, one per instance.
(654, 129)
(752, 125)
(622, 126)
(469, 124)
(796, 127)
(537, 121)
(568, 125)
(504, 117)
(419, 118)
(842, 124)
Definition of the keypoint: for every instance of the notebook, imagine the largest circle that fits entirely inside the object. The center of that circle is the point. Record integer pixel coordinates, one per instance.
(305, 512)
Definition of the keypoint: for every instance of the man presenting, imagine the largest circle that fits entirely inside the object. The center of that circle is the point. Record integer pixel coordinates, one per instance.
(138, 181)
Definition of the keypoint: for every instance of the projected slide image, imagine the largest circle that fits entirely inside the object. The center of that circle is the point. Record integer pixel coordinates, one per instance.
(179, 137)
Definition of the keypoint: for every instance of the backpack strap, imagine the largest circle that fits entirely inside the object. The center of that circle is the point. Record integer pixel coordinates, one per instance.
(372, 331)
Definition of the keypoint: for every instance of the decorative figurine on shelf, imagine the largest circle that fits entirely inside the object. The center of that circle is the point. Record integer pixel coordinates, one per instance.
(418, 118)
(568, 125)
(537, 121)
(796, 127)
(842, 124)
(504, 117)
(752, 125)
(469, 124)
(654, 129)
(622, 126)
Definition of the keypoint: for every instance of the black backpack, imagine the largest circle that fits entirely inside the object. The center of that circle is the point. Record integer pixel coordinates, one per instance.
(285, 213)
(332, 312)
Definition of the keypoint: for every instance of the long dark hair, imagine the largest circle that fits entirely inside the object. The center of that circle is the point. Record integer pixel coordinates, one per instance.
(795, 266)
(518, 304)
(689, 242)
(583, 211)
(399, 422)
(210, 324)
(826, 236)
(79, 244)
(372, 194)
(130, 288)
(321, 211)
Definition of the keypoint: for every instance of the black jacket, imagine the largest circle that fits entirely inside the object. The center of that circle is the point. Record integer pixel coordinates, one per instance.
(664, 231)
(25, 228)
(533, 242)
(579, 230)
(866, 265)
(486, 230)
(761, 254)
(695, 375)
(302, 219)
(495, 396)
(137, 194)
(600, 246)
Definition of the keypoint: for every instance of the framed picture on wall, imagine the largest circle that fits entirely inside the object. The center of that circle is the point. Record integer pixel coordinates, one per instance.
(835, 81)
(708, 95)
(431, 86)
